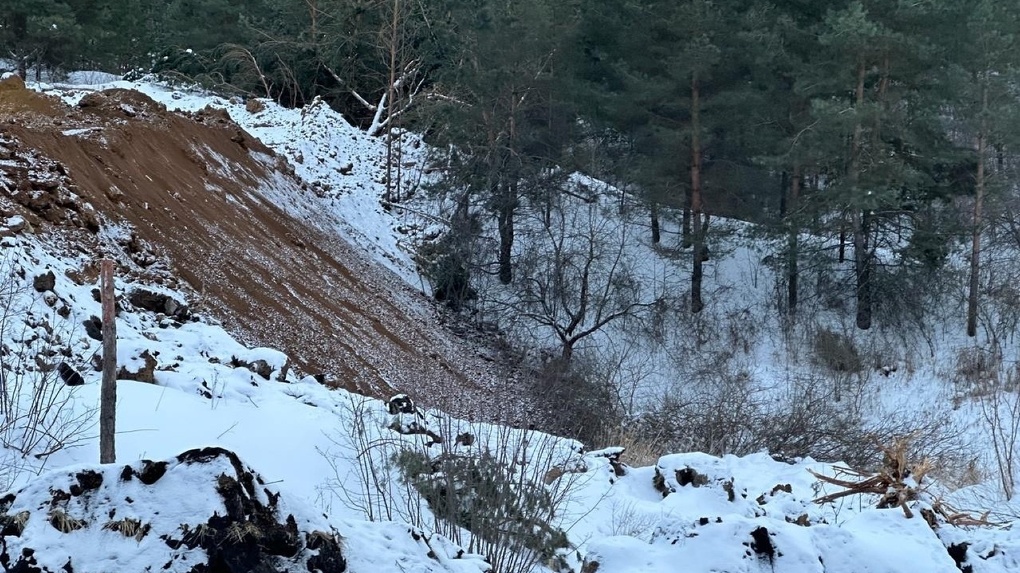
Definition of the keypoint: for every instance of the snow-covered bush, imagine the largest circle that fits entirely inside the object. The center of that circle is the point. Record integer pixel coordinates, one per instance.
(508, 517)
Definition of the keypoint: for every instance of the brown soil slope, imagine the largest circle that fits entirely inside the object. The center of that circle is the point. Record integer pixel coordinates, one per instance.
(188, 188)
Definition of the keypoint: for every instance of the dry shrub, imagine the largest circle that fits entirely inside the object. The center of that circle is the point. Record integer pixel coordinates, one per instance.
(580, 402)
(1000, 410)
(837, 351)
(508, 517)
(731, 413)
(639, 450)
(499, 496)
(39, 414)
(975, 368)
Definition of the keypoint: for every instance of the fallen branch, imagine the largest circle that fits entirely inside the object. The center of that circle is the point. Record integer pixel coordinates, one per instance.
(897, 484)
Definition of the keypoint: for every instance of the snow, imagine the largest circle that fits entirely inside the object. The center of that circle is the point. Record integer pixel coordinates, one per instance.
(340, 163)
(91, 77)
(312, 443)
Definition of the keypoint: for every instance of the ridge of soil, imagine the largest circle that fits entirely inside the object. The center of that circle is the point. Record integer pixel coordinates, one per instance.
(192, 192)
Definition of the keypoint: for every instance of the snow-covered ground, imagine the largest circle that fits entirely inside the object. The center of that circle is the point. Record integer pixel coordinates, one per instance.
(335, 450)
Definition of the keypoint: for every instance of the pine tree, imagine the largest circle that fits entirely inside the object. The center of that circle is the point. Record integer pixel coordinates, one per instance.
(985, 53)
(884, 62)
(499, 107)
(39, 33)
(668, 80)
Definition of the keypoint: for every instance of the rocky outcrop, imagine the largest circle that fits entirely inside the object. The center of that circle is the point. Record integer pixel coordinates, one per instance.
(45, 282)
(159, 303)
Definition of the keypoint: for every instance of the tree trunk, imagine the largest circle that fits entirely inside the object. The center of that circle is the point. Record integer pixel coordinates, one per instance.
(858, 217)
(505, 219)
(792, 245)
(862, 268)
(697, 237)
(656, 234)
(390, 96)
(842, 242)
(685, 225)
(783, 179)
(979, 195)
(567, 353)
(108, 390)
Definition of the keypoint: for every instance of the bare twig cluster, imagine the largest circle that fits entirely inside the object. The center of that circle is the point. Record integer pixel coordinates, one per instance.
(897, 483)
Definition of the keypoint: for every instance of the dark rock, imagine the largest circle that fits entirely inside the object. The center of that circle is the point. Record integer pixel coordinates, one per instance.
(26, 563)
(262, 368)
(69, 375)
(282, 376)
(151, 471)
(44, 282)
(89, 480)
(147, 373)
(94, 328)
(762, 544)
(659, 483)
(688, 476)
(18, 225)
(958, 551)
(158, 303)
(93, 99)
(329, 559)
(731, 494)
(59, 496)
(401, 404)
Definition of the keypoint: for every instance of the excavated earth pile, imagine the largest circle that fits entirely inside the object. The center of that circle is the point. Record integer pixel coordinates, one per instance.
(175, 196)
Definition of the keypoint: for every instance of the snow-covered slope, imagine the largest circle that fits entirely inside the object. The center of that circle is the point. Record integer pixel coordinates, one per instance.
(202, 510)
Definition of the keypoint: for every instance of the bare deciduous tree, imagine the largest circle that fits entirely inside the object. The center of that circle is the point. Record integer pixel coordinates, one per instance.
(574, 274)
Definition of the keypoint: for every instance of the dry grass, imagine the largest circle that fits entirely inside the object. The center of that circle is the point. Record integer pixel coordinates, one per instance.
(16, 523)
(64, 523)
(639, 451)
(197, 536)
(128, 528)
(239, 532)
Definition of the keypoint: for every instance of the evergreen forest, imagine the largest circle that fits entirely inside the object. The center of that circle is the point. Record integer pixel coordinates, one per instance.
(889, 125)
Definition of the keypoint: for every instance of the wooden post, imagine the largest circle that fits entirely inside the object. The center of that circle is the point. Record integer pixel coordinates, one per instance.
(108, 391)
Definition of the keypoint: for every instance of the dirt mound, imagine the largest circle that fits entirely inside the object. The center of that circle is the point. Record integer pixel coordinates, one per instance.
(192, 190)
(19, 104)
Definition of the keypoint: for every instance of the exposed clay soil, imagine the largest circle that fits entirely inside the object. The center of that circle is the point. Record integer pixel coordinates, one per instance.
(187, 188)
